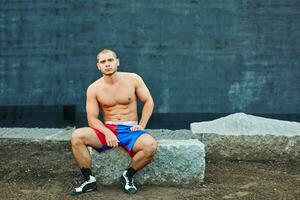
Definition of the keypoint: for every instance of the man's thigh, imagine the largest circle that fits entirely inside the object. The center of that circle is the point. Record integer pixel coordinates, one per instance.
(89, 136)
(143, 141)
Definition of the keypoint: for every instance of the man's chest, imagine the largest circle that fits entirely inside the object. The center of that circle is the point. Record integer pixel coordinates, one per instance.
(111, 96)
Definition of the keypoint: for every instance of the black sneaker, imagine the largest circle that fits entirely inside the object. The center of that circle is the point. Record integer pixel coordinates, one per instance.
(127, 184)
(86, 186)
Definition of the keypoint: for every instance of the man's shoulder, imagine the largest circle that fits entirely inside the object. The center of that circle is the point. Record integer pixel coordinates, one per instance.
(130, 75)
(95, 85)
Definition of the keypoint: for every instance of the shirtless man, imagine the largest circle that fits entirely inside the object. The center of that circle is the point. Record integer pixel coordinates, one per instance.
(116, 93)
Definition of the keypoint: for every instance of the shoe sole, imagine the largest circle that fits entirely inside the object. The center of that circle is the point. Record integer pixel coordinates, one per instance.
(86, 191)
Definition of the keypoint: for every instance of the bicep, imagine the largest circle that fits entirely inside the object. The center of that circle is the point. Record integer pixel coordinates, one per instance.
(142, 91)
(92, 107)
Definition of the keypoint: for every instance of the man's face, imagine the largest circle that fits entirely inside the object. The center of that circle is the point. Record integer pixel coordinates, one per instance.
(107, 63)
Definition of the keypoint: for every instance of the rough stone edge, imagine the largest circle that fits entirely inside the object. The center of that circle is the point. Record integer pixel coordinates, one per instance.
(238, 148)
(145, 171)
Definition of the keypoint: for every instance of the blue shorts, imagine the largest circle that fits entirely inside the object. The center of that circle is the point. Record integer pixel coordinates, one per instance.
(126, 137)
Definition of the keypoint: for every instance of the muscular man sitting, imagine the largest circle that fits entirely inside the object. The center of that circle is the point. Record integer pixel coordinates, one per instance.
(116, 95)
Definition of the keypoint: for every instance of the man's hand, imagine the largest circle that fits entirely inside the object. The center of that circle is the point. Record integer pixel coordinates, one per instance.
(137, 127)
(111, 140)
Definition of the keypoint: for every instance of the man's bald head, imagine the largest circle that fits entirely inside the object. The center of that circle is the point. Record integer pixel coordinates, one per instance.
(104, 51)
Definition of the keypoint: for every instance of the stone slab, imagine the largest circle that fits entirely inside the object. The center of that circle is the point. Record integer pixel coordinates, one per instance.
(59, 134)
(176, 162)
(64, 134)
(246, 137)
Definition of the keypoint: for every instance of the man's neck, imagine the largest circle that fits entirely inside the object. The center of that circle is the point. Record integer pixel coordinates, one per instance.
(112, 79)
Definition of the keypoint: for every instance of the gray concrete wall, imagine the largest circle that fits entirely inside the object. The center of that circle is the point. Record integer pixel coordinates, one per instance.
(195, 56)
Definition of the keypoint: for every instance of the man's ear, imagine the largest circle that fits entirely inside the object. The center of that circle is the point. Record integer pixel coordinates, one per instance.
(118, 62)
(98, 67)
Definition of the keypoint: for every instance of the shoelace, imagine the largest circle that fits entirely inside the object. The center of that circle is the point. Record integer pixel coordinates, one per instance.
(130, 181)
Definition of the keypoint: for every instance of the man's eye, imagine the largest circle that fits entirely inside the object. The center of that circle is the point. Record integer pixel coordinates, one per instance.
(102, 61)
(110, 60)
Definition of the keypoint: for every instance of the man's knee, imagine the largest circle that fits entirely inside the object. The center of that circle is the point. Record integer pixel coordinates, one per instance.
(150, 148)
(77, 137)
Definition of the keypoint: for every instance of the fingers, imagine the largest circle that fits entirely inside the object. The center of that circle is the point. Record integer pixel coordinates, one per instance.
(136, 127)
(112, 143)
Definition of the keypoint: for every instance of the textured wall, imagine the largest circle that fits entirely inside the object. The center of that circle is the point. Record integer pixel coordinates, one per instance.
(195, 56)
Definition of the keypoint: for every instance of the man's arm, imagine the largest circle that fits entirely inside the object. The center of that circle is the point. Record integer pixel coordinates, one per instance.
(144, 95)
(92, 110)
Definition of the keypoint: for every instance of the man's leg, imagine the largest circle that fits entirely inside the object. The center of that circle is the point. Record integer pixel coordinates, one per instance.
(81, 139)
(145, 149)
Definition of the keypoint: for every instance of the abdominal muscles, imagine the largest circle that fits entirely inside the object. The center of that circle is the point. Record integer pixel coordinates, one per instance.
(120, 112)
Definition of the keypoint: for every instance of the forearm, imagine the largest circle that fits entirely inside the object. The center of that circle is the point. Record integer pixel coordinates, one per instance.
(97, 124)
(146, 113)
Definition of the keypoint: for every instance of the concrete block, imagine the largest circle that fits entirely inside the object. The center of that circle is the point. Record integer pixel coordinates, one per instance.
(247, 137)
(176, 162)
